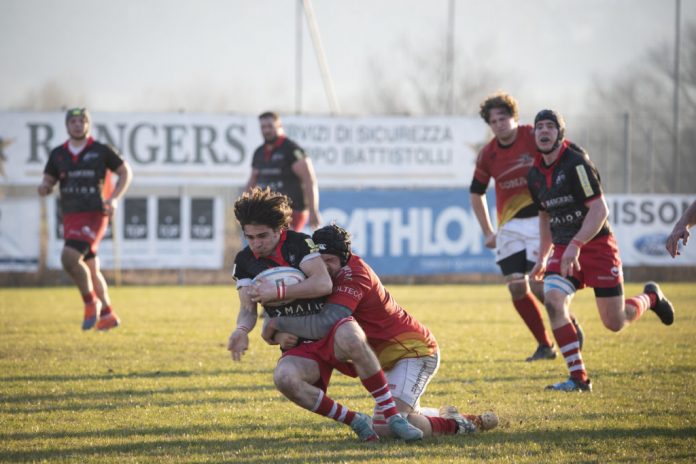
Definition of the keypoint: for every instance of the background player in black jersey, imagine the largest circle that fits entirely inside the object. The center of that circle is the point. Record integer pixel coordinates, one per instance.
(577, 246)
(88, 199)
(303, 372)
(283, 166)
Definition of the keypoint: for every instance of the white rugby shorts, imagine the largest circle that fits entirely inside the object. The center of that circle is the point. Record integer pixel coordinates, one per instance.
(409, 378)
(518, 235)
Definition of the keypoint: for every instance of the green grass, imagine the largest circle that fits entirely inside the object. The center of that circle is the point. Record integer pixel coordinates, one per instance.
(162, 388)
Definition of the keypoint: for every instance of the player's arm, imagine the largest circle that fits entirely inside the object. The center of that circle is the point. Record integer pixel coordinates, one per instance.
(47, 184)
(317, 284)
(246, 320)
(253, 180)
(304, 170)
(596, 216)
(477, 197)
(125, 176)
(311, 327)
(545, 245)
(681, 230)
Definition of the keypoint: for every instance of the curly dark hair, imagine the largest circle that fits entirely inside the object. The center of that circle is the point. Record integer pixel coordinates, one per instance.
(501, 100)
(263, 207)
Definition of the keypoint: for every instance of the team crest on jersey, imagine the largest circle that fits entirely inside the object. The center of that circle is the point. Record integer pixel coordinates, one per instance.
(313, 248)
(560, 179)
(91, 155)
(615, 271)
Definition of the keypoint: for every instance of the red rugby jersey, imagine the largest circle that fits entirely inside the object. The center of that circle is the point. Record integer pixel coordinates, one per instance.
(509, 167)
(391, 331)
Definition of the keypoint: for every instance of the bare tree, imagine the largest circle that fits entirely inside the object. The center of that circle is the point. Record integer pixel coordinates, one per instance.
(423, 88)
(642, 97)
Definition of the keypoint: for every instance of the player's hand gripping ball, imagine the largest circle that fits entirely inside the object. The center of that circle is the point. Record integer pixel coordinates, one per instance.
(283, 277)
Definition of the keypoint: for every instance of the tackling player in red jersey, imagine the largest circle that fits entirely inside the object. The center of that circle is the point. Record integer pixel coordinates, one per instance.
(87, 199)
(577, 247)
(507, 159)
(304, 371)
(406, 349)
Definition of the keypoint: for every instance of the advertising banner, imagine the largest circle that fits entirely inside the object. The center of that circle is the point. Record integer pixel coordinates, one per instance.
(19, 234)
(216, 149)
(643, 222)
(155, 233)
(411, 232)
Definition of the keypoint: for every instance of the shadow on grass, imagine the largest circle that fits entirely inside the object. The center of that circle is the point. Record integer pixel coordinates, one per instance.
(310, 440)
(130, 375)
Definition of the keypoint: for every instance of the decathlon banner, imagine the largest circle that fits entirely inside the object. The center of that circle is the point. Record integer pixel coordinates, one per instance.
(168, 232)
(19, 234)
(643, 222)
(216, 149)
(411, 232)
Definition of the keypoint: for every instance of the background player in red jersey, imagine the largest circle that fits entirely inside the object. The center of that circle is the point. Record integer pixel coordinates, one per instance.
(304, 371)
(87, 199)
(406, 349)
(576, 235)
(507, 159)
(284, 167)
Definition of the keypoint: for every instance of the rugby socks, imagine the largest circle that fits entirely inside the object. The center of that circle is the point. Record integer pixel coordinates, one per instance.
(329, 408)
(530, 312)
(89, 297)
(442, 426)
(641, 303)
(567, 340)
(105, 311)
(379, 389)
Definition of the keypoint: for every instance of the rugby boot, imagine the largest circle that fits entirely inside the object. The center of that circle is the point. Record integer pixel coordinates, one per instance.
(362, 426)
(570, 385)
(401, 428)
(662, 307)
(108, 321)
(464, 424)
(543, 352)
(91, 311)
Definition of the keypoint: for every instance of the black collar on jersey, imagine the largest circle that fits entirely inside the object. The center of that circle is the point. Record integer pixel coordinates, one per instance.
(66, 145)
(547, 171)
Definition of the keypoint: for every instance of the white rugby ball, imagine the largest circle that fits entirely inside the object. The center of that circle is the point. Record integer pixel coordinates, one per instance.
(285, 274)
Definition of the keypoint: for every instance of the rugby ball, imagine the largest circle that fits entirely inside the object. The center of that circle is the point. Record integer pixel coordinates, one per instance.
(282, 276)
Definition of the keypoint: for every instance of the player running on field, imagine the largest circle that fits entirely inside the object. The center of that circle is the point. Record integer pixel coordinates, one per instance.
(577, 247)
(303, 372)
(507, 159)
(406, 349)
(88, 199)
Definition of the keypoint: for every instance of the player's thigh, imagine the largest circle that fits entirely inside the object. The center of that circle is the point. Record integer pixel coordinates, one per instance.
(409, 378)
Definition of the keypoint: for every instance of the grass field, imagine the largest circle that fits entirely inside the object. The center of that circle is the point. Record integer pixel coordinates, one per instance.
(162, 387)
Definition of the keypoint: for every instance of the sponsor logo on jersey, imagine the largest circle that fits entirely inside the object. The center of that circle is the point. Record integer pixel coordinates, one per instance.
(313, 248)
(584, 180)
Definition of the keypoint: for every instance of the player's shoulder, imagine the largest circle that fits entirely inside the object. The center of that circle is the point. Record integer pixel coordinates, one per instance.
(105, 147)
(300, 240)
(244, 256)
(575, 154)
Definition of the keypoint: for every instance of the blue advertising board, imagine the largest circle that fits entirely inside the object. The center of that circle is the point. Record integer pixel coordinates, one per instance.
(402, 232)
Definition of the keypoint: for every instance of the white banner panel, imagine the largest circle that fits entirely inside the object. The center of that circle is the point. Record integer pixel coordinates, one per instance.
(643, 222)
(215, 149)
(169, 232)
(19, 234)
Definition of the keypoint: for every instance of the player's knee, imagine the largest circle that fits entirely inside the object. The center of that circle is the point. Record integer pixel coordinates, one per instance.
(350, 339)
(518, 288)
(286, 380)
(614, 324)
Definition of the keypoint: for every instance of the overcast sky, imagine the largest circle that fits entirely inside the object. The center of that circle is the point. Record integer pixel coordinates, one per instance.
(239, 56)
